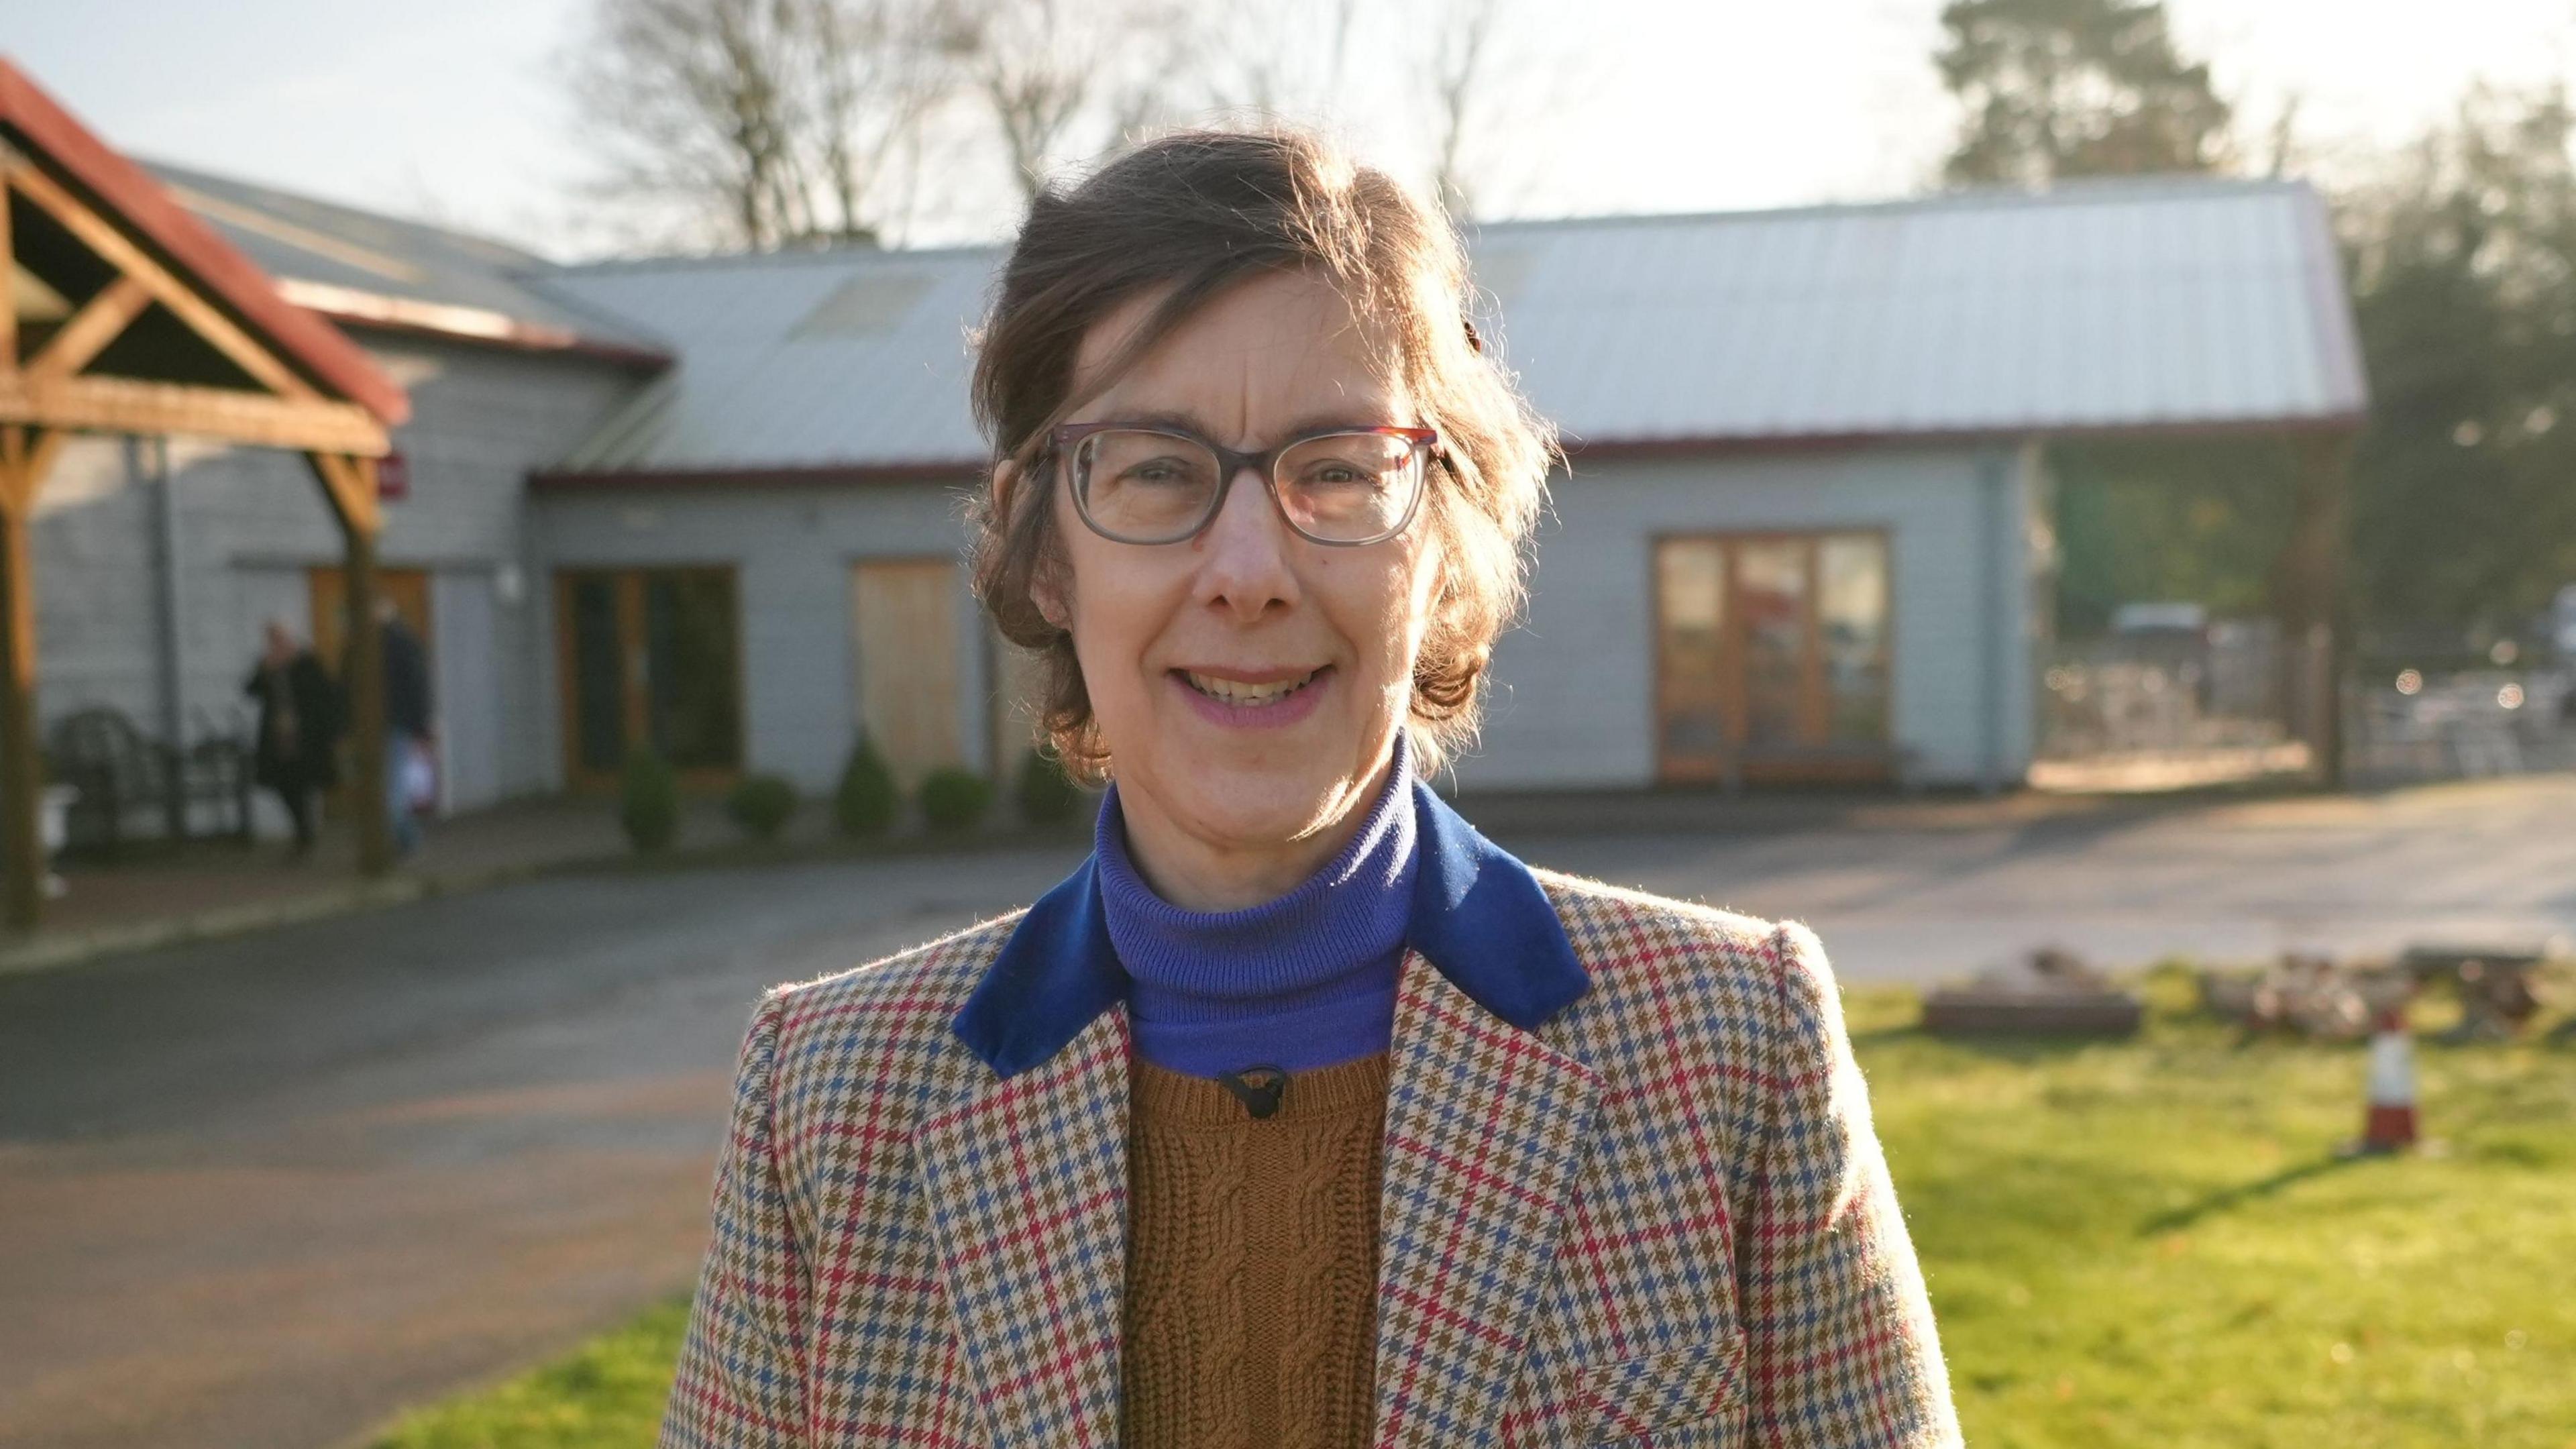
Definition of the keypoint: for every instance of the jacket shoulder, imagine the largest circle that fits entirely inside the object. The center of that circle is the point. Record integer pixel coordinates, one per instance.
(1679, 988)
(1627, 937)
(887, 1022)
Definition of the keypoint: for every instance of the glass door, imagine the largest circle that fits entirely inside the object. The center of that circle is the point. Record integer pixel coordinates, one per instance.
(1771, 657)
(1695, 688)
(649, 656)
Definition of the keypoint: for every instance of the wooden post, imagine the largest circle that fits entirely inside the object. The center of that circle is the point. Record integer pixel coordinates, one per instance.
(8, 275)
(350, 483)
(25, 453)
(2313, 618)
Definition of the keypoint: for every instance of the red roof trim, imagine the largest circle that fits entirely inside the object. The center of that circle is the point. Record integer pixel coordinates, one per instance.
(1578, 451)
(833, 475)
(1616, 449)
(539, 341)
(55, 139)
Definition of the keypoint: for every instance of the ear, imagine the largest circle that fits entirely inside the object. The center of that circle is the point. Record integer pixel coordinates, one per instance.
(1043, 591)
(1050, 599)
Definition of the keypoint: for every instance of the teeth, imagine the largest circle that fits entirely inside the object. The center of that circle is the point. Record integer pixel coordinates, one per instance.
(1235, 691)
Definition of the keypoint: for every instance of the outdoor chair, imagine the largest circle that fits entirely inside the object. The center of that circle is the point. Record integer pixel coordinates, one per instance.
(117, 772)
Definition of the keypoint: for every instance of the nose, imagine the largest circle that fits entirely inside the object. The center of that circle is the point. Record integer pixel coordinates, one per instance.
(1244, 567)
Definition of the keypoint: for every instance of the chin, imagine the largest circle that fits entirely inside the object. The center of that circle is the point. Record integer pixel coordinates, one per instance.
(1251, 805)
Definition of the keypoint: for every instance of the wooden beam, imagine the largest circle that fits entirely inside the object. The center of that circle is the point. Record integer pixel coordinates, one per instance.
(2314, 619)
(99, 322)
(350, 485)
(25, 453)
(185, 302)
(8, 283)
(123, 405)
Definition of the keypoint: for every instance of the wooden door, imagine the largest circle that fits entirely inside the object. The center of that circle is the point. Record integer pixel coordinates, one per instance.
(408, 589)
(1772, 657)
(1695, 684)
(903, 624)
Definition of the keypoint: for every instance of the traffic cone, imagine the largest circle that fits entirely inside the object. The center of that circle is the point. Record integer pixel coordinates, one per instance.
(2389, 1125)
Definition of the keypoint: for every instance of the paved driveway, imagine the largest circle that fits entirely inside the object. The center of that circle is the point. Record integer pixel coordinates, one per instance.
(264, 1192)
(1918, 893)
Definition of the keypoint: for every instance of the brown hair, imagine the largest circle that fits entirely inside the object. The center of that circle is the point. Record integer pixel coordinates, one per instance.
(1195, 212)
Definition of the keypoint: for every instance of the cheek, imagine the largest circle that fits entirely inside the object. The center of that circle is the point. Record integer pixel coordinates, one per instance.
(1114, 610)
(1389, 609)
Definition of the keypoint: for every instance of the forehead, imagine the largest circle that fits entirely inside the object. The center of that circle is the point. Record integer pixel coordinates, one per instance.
(1274, 345)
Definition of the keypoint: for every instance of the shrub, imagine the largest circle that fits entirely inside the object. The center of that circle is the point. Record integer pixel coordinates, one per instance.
(866, 801)
(1048, 795)
(648, 801)
(761, 805)
(954, 800)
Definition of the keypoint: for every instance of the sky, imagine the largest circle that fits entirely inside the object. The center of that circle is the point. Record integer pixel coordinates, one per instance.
(455, 111)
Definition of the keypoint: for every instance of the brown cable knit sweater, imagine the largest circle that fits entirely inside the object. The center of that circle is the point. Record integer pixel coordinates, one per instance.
(1252, 1260)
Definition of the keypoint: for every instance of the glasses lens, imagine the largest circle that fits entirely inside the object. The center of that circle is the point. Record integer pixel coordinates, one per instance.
(1144, 487)
(1350, 487)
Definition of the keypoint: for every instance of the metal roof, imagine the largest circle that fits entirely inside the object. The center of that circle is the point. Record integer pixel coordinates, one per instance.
(2130, 305)
(2136, 304)
(839, 357)
(367, 269)
(34, 122)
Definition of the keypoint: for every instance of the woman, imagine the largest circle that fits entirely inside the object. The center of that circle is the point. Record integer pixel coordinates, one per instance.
(299, 727)
(1300, 1114)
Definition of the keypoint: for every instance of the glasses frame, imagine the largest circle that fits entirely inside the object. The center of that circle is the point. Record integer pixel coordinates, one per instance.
(1067, 437)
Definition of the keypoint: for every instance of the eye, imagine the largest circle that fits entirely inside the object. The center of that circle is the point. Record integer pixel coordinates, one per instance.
(1159, 472)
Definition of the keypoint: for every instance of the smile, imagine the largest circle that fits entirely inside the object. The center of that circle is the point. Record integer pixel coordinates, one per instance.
(1244, 693)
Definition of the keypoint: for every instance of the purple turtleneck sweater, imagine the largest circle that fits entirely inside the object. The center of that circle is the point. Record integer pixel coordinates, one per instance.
(1301, 982)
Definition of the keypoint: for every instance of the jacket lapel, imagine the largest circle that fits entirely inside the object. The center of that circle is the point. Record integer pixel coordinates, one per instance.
(1027, 1183)
(1485, 1125)
(1026, 1170)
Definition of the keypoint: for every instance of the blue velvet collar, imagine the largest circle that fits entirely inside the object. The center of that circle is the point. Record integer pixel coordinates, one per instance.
(1478, 915)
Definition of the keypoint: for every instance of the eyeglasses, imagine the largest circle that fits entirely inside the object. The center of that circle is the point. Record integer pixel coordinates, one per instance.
(1345, 487)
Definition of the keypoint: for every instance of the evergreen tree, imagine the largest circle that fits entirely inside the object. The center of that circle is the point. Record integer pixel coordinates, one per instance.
(2463, 266)
(2060, 88)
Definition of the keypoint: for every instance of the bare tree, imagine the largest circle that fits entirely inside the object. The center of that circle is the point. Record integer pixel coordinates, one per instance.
(1462, 64)
(1279, 58)
(757, 123)
(881, 67)
(1058, 78)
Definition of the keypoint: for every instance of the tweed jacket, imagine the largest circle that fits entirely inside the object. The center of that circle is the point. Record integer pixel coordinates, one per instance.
(1631, 1191)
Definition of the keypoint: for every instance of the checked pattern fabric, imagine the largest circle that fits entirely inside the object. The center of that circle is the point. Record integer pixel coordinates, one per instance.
(1661, 1218)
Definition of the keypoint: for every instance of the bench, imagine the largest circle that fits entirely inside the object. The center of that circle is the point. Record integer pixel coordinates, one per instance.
(118, 772)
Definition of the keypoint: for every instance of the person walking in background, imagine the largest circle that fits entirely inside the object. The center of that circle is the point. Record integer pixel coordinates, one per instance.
(300, 720)
(410, 734)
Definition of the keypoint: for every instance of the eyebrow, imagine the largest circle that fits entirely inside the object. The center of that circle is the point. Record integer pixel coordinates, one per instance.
(1192, 424)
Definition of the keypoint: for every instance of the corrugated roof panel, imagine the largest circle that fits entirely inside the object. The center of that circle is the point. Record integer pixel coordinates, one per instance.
(2152, 303)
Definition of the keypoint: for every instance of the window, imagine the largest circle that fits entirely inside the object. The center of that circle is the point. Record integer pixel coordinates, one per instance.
(1772, 656)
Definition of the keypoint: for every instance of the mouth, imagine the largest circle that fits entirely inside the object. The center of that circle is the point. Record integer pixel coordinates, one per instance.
(1250, 693)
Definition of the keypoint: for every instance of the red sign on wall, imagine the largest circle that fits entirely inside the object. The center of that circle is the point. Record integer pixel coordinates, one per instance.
(393, 478)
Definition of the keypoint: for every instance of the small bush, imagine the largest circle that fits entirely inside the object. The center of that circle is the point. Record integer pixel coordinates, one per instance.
(1046, 792)
(953, 801)
(648, 801)
(762, 805)
(1048, 795)
(866, 801)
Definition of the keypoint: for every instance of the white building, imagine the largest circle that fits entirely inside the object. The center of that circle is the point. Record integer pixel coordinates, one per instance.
(715, 503)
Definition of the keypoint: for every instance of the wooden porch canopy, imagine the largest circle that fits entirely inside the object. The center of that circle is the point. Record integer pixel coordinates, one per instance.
(127, 315)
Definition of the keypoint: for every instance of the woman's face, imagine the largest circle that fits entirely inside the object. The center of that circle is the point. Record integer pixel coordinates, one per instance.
(1248, 681)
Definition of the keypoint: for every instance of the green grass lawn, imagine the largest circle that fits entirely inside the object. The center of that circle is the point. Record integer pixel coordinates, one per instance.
(2145, 1243)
